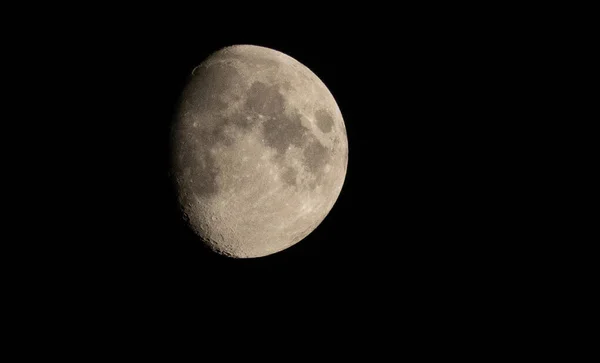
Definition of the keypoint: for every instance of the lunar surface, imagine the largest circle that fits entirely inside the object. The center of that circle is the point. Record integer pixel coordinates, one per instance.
(259, 151)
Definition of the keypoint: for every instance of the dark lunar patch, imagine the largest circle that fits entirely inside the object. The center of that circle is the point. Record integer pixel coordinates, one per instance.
(289, 176)
(265, 100)
(281, 131)
(315, 156)
(324, 120)
(241, 120)
(219, 134)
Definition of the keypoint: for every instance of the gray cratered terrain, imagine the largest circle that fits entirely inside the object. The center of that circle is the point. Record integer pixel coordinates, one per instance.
(260, 151)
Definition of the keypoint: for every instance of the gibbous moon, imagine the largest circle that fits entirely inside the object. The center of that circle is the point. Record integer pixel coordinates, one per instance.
(259, 151)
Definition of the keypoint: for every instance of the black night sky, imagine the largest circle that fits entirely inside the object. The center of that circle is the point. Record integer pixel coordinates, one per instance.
(416, 216)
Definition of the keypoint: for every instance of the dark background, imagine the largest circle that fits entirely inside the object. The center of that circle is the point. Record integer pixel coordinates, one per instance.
(419, 216)
(435, 242)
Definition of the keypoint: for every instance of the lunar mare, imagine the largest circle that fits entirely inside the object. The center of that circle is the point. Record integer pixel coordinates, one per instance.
(259, 151)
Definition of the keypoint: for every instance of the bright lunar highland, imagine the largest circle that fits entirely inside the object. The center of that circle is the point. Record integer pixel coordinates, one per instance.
(259, 151)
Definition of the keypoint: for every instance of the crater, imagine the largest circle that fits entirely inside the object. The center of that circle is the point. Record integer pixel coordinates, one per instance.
(324, 120)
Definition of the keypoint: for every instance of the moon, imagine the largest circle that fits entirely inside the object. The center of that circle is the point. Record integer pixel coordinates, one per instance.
(259, 152)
